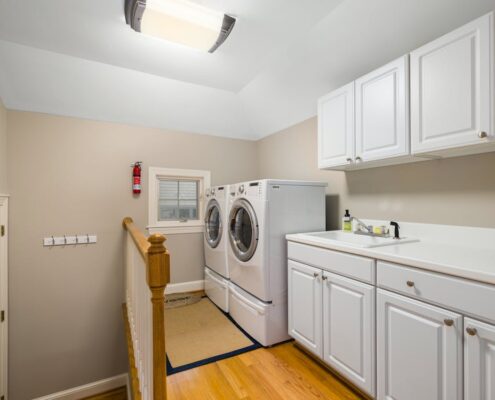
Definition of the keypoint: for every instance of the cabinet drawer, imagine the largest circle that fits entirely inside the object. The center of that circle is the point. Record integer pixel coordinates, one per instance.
(356, 267)
(459, 294)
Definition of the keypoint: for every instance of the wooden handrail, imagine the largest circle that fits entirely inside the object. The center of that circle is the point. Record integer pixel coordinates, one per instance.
(157, 260)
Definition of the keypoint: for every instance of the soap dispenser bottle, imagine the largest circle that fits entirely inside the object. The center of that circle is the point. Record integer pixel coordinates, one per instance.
(347, 222)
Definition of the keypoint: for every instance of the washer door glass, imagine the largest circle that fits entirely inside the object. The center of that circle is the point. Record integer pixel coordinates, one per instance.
(213, 224)
(243, 230)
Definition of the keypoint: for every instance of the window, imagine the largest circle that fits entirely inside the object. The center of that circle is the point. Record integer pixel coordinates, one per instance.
(176, 200)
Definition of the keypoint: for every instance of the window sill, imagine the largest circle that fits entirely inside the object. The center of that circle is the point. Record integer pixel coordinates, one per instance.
(175, 230)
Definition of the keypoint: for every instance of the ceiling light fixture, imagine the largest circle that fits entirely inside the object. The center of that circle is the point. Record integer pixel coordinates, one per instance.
(179, 21)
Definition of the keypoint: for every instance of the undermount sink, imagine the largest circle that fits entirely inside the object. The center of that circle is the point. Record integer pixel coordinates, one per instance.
(355, 240)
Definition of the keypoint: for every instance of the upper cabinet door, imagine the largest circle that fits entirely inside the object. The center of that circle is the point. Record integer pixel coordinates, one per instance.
(305, 303)
(479, 360)
(336, 128)
(452, 89)
(382, 112)
(419, 350)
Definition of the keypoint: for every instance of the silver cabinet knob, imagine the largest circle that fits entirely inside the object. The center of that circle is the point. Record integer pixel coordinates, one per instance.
(316, 274)
(324, 277)
(359, 159)
(448, 322)
(482, 135)
(410, 283)
(349, 160)
(471, 331)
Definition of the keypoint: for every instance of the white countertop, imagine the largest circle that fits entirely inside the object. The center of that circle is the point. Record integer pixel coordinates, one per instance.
(469, 258)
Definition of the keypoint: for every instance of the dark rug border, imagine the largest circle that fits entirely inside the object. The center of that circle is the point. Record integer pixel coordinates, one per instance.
(256, 345)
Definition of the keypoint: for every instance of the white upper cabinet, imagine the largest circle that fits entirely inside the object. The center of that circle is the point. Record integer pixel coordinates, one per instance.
(452, 89)
(382, 112)
(419, 350)
(336, 128)
(479, 360)
(305, 304)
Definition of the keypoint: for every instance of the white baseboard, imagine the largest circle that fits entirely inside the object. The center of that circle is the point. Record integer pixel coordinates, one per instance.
(89, 389)
(185, 287)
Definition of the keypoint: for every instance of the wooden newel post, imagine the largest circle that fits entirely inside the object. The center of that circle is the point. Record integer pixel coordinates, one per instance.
(158, 275)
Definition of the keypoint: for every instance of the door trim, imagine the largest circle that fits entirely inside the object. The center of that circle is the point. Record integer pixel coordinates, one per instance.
(4, 297)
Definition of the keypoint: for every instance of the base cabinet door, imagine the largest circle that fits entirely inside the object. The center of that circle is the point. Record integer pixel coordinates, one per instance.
(349, 329)
(479, 360)
(419, 350)
(305, 303)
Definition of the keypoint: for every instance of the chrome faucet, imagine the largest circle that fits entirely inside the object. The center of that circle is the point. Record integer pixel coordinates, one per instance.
(361, 224)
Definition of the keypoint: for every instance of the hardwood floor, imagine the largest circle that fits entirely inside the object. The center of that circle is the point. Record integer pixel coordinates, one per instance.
(279, 373)
(115, 394)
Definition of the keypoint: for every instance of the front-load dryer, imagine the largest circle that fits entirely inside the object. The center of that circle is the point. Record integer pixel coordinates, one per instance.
(261, 214)
(215, 246)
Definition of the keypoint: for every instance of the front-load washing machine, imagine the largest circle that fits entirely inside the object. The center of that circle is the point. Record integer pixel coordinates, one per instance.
(215, 245)
(261, 214)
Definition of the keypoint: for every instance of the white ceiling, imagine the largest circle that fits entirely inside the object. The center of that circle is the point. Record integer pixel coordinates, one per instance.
(78, 58)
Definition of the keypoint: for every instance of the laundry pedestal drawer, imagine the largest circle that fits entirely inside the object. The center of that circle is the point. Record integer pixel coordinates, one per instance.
(265, 322)
(217, 289)
(468, 297)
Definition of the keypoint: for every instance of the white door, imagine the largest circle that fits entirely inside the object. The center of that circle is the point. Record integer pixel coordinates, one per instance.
(305, 302)
(3, 296)
(349, 329)
(479, 360)
(336, 128)
(452, 89)
(419, 350)
(382, 112)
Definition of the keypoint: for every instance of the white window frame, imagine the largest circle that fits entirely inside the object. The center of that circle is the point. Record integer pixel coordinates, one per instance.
(175, 227)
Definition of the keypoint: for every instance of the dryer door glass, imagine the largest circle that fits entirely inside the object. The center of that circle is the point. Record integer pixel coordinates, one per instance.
(213, 224)
(243, 230)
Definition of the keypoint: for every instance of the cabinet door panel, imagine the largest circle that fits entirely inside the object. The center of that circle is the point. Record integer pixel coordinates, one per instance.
(336, 127)
(305, 303)
(419, 354)
(479, 361)
(382, 112)
(349, 329)
(452, 88)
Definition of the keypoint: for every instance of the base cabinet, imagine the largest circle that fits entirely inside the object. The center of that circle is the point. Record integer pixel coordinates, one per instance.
(479, 360)
(419, 350)
(349, 329)
(305, 302)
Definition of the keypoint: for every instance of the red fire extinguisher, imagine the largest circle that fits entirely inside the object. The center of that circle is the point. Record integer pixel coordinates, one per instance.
(136, 177)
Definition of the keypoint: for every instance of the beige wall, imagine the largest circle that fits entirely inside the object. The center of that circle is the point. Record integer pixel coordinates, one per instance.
(455, 191)
(3, 149)
(73, 176)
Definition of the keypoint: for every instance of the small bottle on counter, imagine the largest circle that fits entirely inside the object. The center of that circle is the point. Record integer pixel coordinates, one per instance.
(347, 222)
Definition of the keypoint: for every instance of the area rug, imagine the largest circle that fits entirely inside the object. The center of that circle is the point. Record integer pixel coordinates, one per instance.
(200, 333)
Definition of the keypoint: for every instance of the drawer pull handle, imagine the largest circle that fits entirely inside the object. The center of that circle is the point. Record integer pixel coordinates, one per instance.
(471, 331)
(448, 322)
(410, 283)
